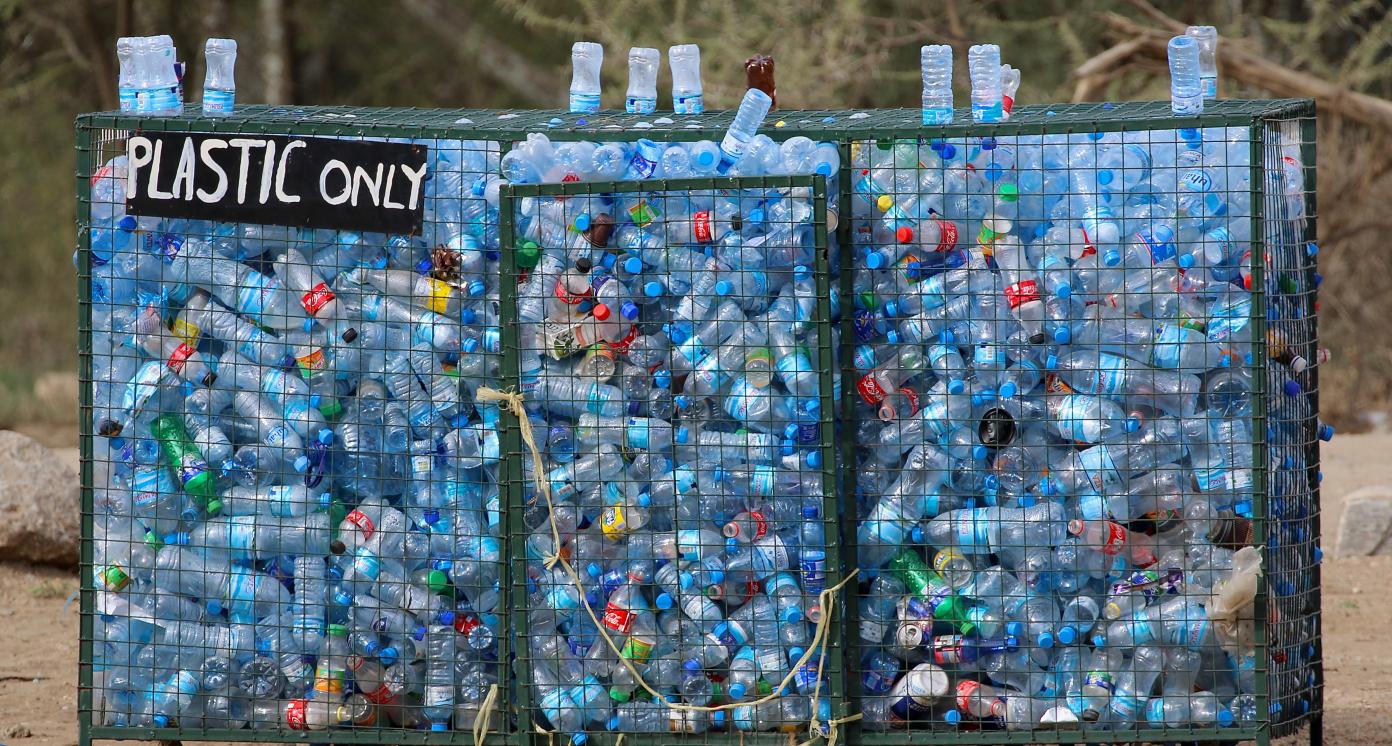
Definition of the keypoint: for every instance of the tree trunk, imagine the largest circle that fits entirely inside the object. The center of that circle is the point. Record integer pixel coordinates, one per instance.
(276, 55)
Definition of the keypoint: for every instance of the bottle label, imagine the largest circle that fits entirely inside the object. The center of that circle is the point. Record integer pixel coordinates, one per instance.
(864, 358)
(1053, 384)
(381, 695)
(251, 298)
(365, 525)
(599, 395)
(910, 707)
(217, 102)
(179, 357)
(947, 235)
(871, 390)
(186, 331)
(1197, 180)
(1190, 633)
(113, 577)
(1140, 629)
(642, 213)
(1126, 705)
(760, 525)
(1113, 540)
(873, 631)
(278, 436)
(701, 226)
(969, 531)
(813, 566)
(190, 467)
(1020, 293)
(613, 522)
(318, 296)
(438, 695)
(967, 690)
(437, 295)
(584, 103)
(742, 396)
(693, 351)
(641, 165)
(1169, 343)
(690, 103)
(635, 649)
(241, 534)
(562, 342)
(564, 295)
(770, 556)
(1099, 680)
(1100, 469)
(1073, 417)
(295, 714)
(311, 363)
(1110, 376)
(946, 557)
(761, 482)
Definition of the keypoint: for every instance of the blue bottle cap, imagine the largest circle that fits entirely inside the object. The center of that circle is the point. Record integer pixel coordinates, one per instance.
(342, 597)
(979, 452)
(1068, 634)
(947, 337)
(180, 538)
(1063, 335)
(724, 287)
(691, 664)
(1014, 628)
(663, 601)
(644, 500)
(1027, 501)
(326, 437)
(629, 310)
(1133, 424)
(956, 386)
(633, 265)
(1051, 362)
(791, 615)
(612, 723)
(685, 580)
(1111, 257)
(1225, 718)
(608, 261)
(991, 482)
(446, 618)
(718, 717)
(439, 726)
(716, 577)
(814, 459)
(160, 721)
(1098, 641)
(431, 516)
(952, 716)
(662, 378)
(1185, 261)
(1007, 389)
(1045, 640)
(916, 534)
(652, 289)
(731, 546)
(582, 221)
(1291, 388)
(874, 260)
(1064, 291)
(801, 273)
(948, 151)
(682, 435)
(737, 691)
(1105, 176)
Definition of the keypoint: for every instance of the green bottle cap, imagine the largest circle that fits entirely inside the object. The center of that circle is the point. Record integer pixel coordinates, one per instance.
(338, 630)
(527, 255)
(1009, 192)
(619, 695)
(438, 581)
(200, 484)
(213, 507)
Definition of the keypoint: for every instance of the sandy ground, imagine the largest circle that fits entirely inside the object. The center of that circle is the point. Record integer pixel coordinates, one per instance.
(39, 629)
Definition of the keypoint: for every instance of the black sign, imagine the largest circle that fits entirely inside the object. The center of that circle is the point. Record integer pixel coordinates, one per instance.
(309, 182)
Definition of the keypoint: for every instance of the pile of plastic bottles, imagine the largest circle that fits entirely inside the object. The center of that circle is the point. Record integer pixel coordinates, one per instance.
(669, 357)
(297, 520)
(1054, 425)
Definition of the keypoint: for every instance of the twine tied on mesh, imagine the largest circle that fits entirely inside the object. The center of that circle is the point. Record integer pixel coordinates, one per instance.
(514, 402)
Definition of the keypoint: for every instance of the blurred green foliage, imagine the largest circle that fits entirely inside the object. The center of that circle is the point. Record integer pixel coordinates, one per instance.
(57, 60)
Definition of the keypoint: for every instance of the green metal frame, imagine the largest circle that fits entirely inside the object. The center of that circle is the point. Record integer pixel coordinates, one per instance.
(848, 129)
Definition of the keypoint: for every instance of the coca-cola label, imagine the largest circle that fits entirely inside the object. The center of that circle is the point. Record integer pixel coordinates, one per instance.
(318, 296)
(295, 714)
(912, 397)
(1114, 539)
(179, 357)
(380, 696)
(1020, 293)
(967, 691)
(364, 524)
(871, 390)
(618, 618)
(701, 226)
(760, 525)
(947, 235)
(564, 295)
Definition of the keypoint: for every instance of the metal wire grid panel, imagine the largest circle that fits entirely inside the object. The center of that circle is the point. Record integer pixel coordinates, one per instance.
(675, 349)
(1062, 433)
(291, 499)
(1296, 558)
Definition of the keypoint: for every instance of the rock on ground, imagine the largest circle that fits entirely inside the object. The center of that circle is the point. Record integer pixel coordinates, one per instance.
(1366, 527)
(40, 505)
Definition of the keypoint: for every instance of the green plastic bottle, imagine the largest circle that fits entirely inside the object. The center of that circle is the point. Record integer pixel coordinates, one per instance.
(929, 586)
(184, 457)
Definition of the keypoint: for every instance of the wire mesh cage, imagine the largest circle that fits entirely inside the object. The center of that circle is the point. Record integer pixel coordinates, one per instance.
(291, 495)
(1038, 388)
(1081, 414)
(674, 549)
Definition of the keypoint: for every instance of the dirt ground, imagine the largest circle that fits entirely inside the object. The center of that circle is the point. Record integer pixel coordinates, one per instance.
(39, 628)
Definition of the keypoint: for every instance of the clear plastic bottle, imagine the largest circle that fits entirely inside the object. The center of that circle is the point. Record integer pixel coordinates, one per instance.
(687, 95)
(984, 64)
(219, 85)
(1207, 37)
(1186, 77)
(586, 58)
(752, 109)
(643, 63)
(936, 63)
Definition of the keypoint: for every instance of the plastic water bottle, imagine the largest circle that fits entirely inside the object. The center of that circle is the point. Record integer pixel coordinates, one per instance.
(586, 58)
(127, 56)
(752, 110)
(936, 61)
(687, 95)
(219, 87)
(984, 65)
(1207, 37)
(642, 80)
(1186, 76)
